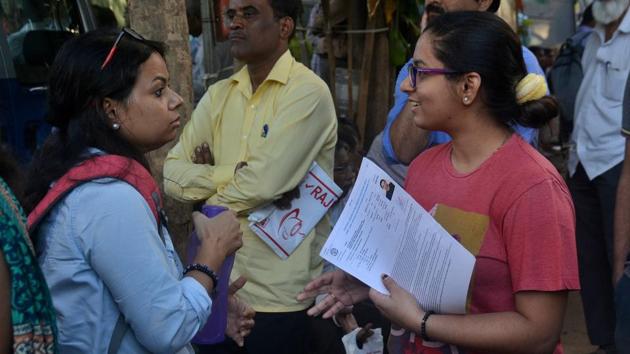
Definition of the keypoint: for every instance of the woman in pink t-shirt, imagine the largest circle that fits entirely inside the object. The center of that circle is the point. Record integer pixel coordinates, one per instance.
(496, 193)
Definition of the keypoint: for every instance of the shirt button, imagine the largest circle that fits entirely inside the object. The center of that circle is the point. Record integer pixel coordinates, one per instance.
(244, 136)
(252, 107)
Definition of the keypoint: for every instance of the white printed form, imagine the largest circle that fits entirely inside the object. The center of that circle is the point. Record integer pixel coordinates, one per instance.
(383, 230)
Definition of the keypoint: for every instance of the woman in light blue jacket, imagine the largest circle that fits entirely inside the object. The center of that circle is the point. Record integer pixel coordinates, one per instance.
(117, 283)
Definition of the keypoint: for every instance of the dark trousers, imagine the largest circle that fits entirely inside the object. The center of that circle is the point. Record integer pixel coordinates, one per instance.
(273, 333)
(594, 208)
(622, 302)
(325, 337)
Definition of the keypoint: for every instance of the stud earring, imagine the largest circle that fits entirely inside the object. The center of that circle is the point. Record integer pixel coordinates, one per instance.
(465, 100)
(115, 126)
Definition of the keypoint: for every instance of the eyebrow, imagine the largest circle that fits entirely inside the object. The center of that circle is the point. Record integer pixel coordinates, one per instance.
(243, 9)
(160, 78)
(418, 62)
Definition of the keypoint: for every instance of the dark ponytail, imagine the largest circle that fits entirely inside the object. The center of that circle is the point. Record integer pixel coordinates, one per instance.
(11, 172)
(481, 42)
(537, 113)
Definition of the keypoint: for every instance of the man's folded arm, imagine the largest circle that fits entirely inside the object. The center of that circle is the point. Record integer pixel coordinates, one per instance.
(185, 180)
(306, 124)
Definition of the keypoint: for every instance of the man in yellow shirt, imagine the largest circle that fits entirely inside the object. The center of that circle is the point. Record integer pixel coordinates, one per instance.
(263, 126)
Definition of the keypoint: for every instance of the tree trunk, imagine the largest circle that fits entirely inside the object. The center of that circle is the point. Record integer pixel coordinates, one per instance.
(375, 87)
(381, 94)
(165, 20)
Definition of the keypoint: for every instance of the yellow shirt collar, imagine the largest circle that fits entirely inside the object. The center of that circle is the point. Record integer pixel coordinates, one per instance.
(279, 73)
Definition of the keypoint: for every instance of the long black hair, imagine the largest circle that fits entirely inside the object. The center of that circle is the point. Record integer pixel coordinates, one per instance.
(77, 88)
(11, 172)
(481, 42)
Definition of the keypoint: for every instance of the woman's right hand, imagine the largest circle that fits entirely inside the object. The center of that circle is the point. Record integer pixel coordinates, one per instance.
(341, 289)
(399, 306)
(221, 234)
(240, 316)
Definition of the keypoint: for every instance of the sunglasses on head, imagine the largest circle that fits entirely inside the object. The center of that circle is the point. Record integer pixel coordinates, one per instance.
(133, 34)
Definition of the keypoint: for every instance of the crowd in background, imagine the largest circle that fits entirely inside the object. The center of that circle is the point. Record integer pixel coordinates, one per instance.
(470, 136)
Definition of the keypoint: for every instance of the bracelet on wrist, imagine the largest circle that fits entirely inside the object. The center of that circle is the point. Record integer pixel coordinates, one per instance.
(205, 270)
(423, 326)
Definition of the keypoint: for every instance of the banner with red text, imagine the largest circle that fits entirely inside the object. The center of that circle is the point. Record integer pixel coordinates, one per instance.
(284, 230)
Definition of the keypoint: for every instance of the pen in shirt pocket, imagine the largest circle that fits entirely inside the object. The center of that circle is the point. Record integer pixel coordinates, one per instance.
(265, 131)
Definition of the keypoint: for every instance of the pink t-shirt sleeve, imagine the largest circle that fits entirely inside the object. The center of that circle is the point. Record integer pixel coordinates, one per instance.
(539, 234)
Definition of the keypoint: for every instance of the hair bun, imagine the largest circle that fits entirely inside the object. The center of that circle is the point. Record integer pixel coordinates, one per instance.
(531, 87)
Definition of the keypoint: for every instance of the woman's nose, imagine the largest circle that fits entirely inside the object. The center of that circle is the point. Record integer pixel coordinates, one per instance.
(176, 101)
(405, 86)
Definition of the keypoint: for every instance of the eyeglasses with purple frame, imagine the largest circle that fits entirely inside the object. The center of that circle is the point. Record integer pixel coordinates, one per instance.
(414, 71)
(135, 35)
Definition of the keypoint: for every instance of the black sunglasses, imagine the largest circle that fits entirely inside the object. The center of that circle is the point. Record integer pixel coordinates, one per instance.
(135, 35)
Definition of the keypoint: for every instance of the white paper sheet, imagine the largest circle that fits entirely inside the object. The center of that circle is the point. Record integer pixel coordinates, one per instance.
(382, 232)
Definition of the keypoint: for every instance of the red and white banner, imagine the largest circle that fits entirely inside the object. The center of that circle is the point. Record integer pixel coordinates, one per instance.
(284, 230)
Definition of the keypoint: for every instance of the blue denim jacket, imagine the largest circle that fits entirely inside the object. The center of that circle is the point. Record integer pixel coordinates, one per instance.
(101, 255)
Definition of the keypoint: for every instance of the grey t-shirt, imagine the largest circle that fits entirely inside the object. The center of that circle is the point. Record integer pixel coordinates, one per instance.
(625, 124)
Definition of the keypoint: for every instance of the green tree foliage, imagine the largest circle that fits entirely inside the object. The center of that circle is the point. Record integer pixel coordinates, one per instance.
(404, 30)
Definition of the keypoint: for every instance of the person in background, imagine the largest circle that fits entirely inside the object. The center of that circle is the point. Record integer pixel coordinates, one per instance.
(5, 25)
(27, 317)
(401, 141)
(544, 55)
(549, 135)
(324, 334)
(105, 17)
(621, 265)
(566, 73)
(316, 35)
(564, 77)
(193, 15)
(469, 79)
(345, 170)
(221, 51)
(587, 23)
(359, 340)
(36, 16)
(595, 161)
(116, 281)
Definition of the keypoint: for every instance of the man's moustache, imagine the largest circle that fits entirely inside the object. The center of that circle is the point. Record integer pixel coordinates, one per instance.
(434, 9)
